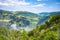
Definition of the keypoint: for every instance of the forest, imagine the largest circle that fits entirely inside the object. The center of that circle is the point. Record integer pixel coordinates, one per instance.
(49, 30)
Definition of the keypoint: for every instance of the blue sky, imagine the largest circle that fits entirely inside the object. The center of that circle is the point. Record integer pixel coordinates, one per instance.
(34, 6)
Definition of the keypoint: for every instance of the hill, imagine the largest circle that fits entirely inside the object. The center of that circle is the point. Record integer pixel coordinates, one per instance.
(45, 16)
(20, 18)
(23, 19)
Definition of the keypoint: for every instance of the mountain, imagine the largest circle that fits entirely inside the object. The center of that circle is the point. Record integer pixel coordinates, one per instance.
(20, 18)
(25, 13)
(23, 19)
(45, 16)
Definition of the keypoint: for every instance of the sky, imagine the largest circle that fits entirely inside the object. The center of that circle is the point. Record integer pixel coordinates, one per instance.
(34, 6)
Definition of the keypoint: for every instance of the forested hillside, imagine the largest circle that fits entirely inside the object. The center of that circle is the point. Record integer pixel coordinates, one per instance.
(18, 18)
(29, 19)
(49, 30)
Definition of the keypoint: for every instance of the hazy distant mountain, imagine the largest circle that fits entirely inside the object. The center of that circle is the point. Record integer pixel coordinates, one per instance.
(45, 15)
(21, 18)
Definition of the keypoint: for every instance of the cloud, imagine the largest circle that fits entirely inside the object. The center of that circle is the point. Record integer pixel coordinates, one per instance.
(22, 3)
(19, 5)
(39, 0)
(13, 3)
(14, 26)
(39, 5)
(57, 3)
(27, 8)
(5, 4)
(42, 0)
